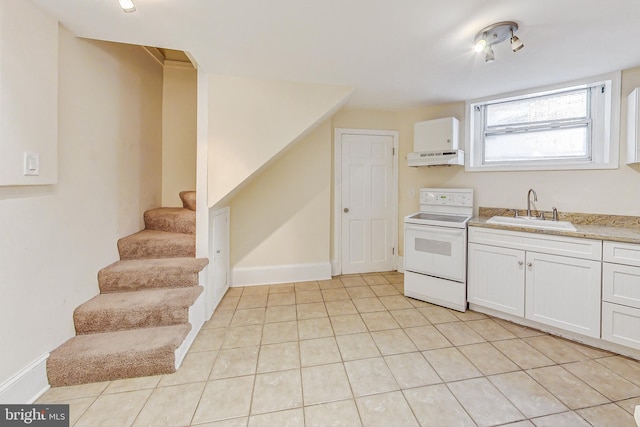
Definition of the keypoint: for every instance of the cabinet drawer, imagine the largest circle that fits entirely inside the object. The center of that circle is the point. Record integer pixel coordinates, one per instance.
(621, 253)
(621, 284)
(621, 324)
(538, 242)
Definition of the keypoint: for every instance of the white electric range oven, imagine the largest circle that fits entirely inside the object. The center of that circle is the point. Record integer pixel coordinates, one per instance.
(435, 247)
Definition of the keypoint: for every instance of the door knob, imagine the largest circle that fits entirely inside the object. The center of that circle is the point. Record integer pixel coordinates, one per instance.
(346, 210)
(529, 264)
(520, 262)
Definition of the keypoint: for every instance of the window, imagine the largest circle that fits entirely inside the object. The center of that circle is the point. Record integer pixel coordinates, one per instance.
(569, 127)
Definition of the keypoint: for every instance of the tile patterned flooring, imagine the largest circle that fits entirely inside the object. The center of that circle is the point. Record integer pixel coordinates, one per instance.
(354, 351)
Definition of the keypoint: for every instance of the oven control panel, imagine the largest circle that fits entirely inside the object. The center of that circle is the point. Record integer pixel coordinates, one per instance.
(462, 197)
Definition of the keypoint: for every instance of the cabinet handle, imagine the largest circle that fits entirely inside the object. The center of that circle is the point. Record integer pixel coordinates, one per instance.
(520, 262)
(529, 264)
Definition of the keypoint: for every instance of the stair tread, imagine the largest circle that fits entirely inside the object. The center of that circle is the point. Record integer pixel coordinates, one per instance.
(146, 299)
(132, 341)
(152, 273)
(148, 244)
(172, 211)
(116, 355)
(193, 265)
(160, 236)
(179, 220)
(188, 199)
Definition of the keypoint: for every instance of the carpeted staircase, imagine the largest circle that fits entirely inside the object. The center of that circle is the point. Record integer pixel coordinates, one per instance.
(141, 316)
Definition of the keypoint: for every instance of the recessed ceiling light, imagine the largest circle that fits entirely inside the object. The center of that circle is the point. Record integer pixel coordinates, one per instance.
(127, 6)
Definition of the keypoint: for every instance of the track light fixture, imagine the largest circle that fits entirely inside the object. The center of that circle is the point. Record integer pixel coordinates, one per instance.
(127, 6)
(516, 44)
(489, 56)
(494, 34)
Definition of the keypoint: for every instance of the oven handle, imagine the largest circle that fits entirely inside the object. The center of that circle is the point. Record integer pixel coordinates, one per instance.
(443, 230)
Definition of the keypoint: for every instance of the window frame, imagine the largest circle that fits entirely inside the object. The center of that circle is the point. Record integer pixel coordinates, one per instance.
(604, 129)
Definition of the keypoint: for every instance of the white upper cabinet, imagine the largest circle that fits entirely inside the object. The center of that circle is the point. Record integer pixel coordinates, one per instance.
(633, 127)
(436, 135)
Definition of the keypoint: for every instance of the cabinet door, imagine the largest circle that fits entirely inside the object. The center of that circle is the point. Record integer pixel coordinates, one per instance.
(621, 324)
(564, 292)
(621, 284)
(496, 278)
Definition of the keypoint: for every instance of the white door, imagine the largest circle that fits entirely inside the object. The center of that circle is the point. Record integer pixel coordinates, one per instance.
(367, 203)
(220, 252)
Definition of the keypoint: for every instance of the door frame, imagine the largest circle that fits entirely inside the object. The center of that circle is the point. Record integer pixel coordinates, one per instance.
(336, 262)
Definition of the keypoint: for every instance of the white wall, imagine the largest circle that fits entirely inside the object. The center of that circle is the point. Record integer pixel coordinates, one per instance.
(251, 122)
(178, 131)
(28, 92)
(589, 191)
(54, 239)
(282, 216)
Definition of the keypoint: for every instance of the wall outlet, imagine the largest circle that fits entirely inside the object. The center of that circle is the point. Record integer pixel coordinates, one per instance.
(31, 164)
(412, 193)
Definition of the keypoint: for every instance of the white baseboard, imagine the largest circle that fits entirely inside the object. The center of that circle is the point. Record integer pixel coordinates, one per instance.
(197, 317)
(273, 274)
(399, 265)
(27, 385)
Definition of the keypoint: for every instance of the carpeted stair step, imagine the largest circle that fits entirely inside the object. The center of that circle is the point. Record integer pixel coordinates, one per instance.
(188, 199)
(140, 274)
(116, 355)
(129, 310)
(174, 220)
(157, 244)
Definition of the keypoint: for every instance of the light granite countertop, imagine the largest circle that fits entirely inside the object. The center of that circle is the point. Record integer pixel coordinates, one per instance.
(613, 228)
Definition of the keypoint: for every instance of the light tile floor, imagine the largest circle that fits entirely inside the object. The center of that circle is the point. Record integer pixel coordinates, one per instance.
(354, 351)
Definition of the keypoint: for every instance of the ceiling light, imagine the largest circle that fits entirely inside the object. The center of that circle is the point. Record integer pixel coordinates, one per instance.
(480, 45)
(489, 56)
(127, 6)
(494, 34)
(516, 44)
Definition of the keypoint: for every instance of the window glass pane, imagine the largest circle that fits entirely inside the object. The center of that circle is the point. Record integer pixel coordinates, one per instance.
(562, 106)
(549, 144)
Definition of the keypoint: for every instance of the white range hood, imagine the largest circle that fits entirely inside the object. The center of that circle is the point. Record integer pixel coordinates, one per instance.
(435, 158)
(435, 142)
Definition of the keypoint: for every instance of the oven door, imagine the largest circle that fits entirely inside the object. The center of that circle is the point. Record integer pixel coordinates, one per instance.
(436, 251)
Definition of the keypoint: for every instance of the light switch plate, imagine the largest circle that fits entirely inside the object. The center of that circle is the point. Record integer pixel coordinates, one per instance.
(31, 164)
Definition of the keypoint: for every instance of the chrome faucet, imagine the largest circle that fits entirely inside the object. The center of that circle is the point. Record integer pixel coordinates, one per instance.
(535, 199)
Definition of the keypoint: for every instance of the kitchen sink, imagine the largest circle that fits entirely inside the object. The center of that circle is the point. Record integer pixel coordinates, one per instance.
(524, 221)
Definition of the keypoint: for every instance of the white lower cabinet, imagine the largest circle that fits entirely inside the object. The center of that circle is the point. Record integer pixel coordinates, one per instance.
(621, 294)
(495, 278)
(621, 324)
(563, 292)
(530, 275)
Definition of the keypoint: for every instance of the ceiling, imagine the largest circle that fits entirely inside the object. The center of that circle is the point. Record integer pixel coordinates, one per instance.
(396, 54)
